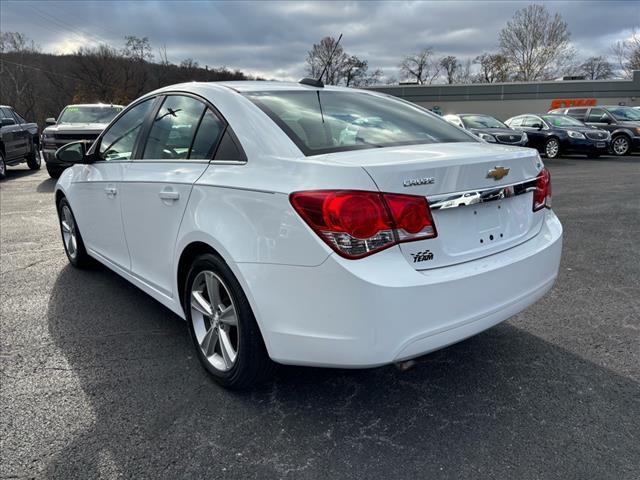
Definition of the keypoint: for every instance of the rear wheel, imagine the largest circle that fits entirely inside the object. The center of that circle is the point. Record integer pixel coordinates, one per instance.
(620, 145)
(552, 148)
(3, 167)
(71, 238)
(54, 172)
(226, 336)
(33, 159)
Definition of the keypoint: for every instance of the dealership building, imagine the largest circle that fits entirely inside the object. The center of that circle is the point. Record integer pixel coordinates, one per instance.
(504, 100)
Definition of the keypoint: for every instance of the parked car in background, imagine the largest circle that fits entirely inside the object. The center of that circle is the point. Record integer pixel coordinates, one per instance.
(622, 123)
(310, 225)
(554, 135)
(19, 141)
(75, 122)
(488, 128)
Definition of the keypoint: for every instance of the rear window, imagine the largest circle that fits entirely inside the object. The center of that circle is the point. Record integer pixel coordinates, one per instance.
(328, 121)
(482, 121)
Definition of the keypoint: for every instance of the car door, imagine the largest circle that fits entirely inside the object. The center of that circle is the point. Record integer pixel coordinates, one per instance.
(180, 142)
(24, 135)
(12, 136)
(598, 117)
(537, 137)
(95, 195)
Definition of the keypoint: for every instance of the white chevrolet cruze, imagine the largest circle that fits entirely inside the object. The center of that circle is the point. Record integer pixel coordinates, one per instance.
(305, 225)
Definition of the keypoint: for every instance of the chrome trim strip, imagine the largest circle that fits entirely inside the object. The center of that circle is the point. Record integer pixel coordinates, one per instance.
(475, 197)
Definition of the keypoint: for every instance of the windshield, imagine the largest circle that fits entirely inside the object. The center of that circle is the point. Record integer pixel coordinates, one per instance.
(482, 121)
(329, 121)
(562, 121)
(91, 114)
(625, 113)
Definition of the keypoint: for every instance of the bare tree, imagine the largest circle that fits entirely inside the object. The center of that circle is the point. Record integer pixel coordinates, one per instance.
(356, 73)
(627, 53)
(189, 63)
(97, 74)
(16, 78)
(596, 68)
(494, 67)
(464, 75)
(320, 56)
(421, 67)
(535, 43)
(451, 66)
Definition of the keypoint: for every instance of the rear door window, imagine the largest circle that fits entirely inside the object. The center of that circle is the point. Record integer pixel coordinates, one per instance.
(596, 114)
(173, 128)
(207, 137)
(578, 113)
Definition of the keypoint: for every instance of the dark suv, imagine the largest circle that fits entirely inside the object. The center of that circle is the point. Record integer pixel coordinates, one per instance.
(554, 135)
(623, 123)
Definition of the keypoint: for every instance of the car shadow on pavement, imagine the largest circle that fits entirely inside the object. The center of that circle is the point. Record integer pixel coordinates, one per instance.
(46, 186)
(503, 404)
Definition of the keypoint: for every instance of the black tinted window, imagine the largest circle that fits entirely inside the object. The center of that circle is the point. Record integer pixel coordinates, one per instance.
(332, 121)
(119, 141)
(207, 137)
(173, 128)
(596, 114)
(577, 113)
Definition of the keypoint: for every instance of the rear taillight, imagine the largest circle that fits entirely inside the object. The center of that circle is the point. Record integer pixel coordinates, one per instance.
(357, 223)
(542, 193)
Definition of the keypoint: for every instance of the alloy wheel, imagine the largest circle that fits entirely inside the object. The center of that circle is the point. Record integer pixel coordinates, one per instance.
(215, 320)
(552, 148)
(620, 145)
(69, 232)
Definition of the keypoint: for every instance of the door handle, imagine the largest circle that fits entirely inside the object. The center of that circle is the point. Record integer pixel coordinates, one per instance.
(111, 191)
(169, 195)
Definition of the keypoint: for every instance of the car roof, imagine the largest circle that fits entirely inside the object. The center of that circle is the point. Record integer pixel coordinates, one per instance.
(264, 86)
(105, 105)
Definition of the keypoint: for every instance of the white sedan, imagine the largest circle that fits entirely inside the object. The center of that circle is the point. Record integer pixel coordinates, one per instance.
(291, 223)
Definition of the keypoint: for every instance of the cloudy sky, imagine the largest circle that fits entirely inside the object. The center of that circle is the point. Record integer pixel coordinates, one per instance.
(271, 38)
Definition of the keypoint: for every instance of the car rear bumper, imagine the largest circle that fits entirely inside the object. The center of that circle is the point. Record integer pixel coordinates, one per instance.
(379, 310)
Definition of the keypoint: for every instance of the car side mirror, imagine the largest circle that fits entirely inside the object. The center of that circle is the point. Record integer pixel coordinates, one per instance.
(74, 152)
(537, 126)
(8, 121)
(50, 121)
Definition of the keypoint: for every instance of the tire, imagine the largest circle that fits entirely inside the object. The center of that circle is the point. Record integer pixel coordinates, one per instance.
(552, 148)
(620, 145)
(71, 238)
(54, 172)
(33, 159)
(3, 167)
(228, 342)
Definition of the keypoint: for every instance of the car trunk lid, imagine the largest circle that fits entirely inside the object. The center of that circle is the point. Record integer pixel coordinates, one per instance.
(480, 195)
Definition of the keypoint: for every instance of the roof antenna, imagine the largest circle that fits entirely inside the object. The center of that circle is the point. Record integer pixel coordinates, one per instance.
(318, 82)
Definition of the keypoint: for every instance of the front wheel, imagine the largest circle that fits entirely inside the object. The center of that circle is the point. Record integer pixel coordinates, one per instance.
(71, 238)
(552, 148)
(33, 159)
(3, 167)
(620, 145)
(226, 336)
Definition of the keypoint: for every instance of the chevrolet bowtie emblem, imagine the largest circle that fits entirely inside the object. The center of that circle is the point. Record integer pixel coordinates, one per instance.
(498, 173)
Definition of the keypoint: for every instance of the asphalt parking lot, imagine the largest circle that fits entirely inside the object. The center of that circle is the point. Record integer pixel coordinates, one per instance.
(99, 381)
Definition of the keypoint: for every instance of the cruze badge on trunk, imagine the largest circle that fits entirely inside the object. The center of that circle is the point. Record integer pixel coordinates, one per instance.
(498, 173)
(414, 182)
